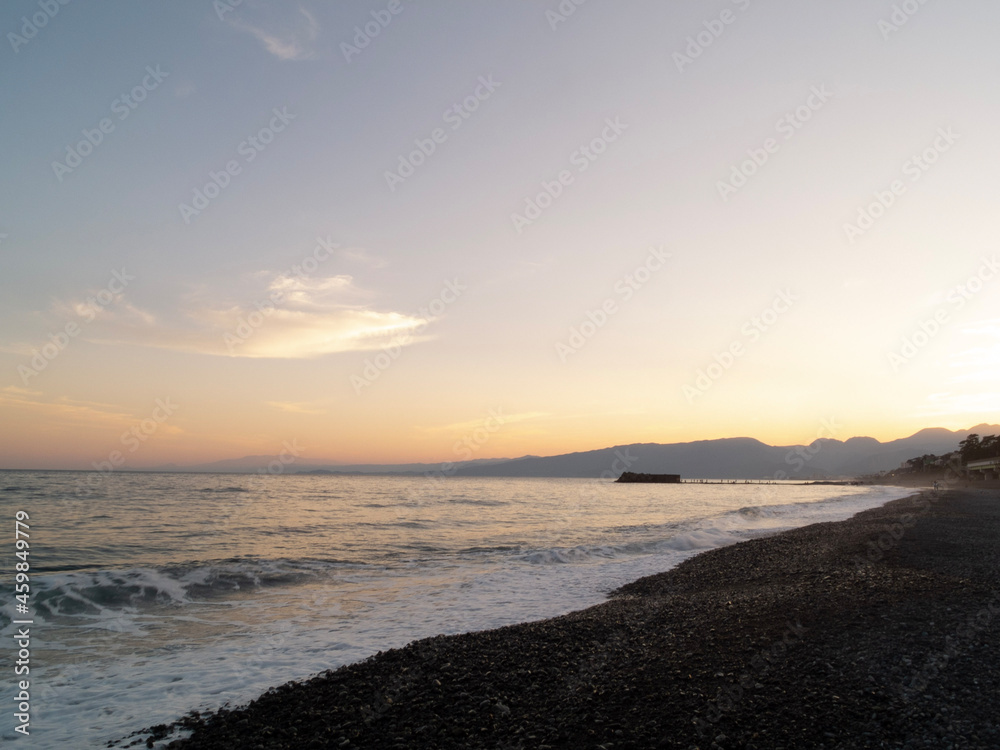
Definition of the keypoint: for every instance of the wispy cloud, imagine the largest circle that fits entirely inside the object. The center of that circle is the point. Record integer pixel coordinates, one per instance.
(294, 42)
(281, 316)
(472, 424)
(61, 410)
(297, 407)
(363, 257)
(310, 292)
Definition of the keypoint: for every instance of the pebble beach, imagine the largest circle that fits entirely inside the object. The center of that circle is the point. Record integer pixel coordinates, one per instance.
(878, 631)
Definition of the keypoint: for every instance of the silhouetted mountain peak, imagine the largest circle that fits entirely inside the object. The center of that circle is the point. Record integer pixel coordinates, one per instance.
(869, 441)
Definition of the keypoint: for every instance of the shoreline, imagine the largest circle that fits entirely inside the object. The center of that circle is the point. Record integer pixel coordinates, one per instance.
(755, 644)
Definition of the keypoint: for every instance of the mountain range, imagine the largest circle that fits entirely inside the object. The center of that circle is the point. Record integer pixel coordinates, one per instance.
(726, 458)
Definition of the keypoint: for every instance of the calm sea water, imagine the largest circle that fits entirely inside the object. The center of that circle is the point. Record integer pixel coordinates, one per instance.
(162, 593)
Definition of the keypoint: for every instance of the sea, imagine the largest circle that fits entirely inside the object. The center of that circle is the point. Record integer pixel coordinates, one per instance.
(155, 594)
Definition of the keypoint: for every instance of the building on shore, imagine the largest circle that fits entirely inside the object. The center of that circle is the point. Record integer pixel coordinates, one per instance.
(984, 468)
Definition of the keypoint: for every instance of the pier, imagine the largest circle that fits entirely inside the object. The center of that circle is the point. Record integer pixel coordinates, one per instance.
(630, 477)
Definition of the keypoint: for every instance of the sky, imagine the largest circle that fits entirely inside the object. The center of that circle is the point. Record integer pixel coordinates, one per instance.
(395, 231)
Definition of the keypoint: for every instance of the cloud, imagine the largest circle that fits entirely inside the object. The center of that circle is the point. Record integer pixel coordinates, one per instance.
(308, 292)
(300, 334)
(473, 424)
(296, 407)
(275, 315)
(289, 43)
(363, 257)
(19, 349)
(62, 409)
(286, 317)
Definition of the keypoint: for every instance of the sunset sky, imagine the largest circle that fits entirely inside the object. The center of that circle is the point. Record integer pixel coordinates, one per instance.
(364, 226)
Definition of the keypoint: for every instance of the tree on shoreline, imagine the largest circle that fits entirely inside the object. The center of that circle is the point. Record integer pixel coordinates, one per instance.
(974, 448)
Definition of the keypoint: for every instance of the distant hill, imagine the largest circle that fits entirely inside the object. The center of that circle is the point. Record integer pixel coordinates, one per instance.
(737, 458)
(727, 458)
(253, 464)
